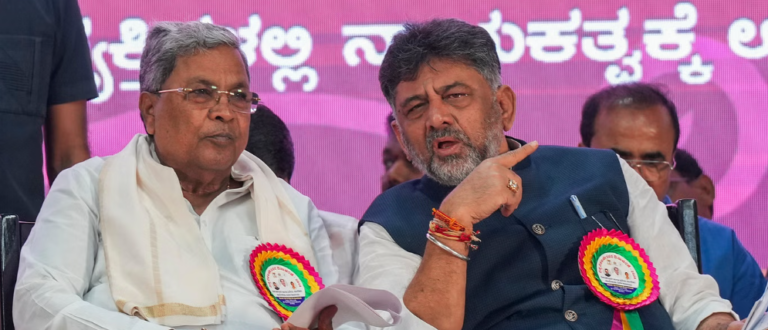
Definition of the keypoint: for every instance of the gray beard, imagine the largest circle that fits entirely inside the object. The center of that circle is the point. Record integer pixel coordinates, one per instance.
(451, 170)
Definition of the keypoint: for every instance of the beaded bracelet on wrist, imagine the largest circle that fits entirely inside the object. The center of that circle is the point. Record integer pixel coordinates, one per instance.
(446, 227)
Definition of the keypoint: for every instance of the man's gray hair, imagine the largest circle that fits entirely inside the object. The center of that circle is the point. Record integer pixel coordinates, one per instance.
(167, 41)
(449, 39)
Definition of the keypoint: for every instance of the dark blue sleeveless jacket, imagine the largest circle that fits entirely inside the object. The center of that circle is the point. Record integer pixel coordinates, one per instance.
(513, 279)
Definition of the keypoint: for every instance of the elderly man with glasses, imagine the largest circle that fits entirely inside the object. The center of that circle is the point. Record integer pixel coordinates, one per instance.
(640, 124)
(160, 235)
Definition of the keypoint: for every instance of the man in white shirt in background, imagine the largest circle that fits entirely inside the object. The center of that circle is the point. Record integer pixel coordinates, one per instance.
(159, 235)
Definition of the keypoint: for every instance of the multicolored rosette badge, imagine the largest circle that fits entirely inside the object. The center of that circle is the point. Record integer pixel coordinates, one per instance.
(284, 278)
(620, 274)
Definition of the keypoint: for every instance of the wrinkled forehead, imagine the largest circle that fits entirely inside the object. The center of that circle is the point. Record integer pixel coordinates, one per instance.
(649, 121)
(440, 66)
(203, 65)
(435, 74)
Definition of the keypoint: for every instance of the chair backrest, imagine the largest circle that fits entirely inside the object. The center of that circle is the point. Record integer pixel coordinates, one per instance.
(684, 216)
(13, 234)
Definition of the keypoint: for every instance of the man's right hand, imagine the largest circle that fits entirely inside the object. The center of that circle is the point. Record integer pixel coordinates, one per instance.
(486, 189)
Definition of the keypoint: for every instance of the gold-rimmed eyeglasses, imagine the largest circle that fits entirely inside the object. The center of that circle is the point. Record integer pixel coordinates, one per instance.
(651, 170)
(242, 100)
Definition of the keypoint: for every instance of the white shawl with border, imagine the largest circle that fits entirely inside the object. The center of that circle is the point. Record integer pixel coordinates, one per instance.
(158, 265)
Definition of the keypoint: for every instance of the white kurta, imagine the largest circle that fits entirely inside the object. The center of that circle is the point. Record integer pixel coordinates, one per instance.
(687, 296)
(342, 231)
(63, 283)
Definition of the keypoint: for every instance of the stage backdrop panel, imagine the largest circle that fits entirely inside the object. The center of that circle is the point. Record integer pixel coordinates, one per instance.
(315, 63)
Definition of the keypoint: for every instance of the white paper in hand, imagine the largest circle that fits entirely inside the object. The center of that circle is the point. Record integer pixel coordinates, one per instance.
(355, 304)
(757, 319)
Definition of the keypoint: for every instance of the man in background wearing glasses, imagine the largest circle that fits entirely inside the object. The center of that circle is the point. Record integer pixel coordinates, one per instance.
(640, 124)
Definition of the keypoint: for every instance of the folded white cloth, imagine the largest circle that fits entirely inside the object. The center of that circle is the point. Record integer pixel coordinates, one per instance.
(158, 264)
(354, 303)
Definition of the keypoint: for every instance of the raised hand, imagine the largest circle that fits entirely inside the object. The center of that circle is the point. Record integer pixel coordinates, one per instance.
(491, 186)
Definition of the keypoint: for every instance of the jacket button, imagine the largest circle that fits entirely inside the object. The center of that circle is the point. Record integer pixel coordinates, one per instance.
(571, 315)
(538, 229)
(556, 285)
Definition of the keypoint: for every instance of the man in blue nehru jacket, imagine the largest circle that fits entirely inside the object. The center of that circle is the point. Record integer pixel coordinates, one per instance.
(640, 124)
(443, 81)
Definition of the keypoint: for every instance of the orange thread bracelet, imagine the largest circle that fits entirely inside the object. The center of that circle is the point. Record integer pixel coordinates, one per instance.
(444, 226)
(450, 222)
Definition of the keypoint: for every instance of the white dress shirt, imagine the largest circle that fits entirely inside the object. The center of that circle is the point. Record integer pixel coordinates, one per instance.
(342, 231)
(63, 282)
(687, 296)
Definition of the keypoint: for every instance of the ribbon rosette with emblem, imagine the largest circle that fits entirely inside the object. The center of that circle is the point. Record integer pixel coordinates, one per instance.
(284, 278)
(620, 274)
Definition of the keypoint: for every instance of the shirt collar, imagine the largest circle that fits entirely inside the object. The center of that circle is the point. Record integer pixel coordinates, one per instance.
(514, 143)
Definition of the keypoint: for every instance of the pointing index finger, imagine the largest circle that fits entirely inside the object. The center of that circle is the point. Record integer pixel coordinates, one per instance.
(511, 158)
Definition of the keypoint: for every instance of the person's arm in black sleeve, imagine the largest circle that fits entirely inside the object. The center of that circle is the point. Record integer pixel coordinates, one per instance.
(71, 85)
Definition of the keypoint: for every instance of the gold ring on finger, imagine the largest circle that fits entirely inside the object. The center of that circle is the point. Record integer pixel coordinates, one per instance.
(512, 185)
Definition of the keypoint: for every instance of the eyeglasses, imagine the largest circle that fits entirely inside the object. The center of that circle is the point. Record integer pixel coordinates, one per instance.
(242, 100)
(651, 170)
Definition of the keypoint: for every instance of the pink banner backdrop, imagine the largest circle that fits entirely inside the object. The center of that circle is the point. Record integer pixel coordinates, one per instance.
(316, 62)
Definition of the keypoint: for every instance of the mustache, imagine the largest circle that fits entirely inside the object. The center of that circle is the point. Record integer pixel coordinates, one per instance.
(446, 132)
